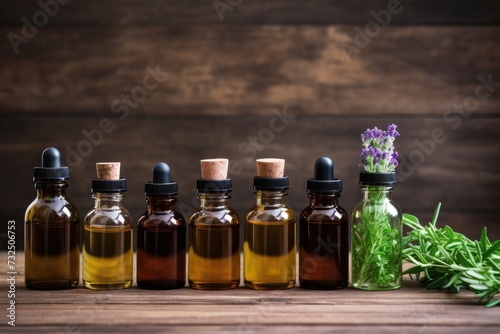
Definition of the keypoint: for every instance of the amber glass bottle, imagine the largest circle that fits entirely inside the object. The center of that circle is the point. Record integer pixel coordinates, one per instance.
(161, 235)
(214, 251)
(52, 253)
(107, 239)
(269, 248)
(324, 233)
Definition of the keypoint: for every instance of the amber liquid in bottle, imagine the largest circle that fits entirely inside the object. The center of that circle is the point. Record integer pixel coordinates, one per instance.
(52, 253)
(324, 249)
(161, 246)
(214, 253)
(269, 248)
(108, 244)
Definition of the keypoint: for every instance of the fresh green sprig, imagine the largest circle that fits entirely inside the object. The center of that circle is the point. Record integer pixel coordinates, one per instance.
(376, 246)
(444, 259)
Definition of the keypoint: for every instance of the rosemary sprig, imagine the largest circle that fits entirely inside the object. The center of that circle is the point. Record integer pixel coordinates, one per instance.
(450, 260)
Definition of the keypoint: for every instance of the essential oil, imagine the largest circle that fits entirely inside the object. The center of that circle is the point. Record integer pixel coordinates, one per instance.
(161, 236)
(52, 253)
(270, 248)
(108, 233)
(214, 247)
(324, 233)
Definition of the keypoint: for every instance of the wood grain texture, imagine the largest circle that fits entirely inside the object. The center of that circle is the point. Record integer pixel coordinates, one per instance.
(234, 69)
(136, 12)
(411, 308)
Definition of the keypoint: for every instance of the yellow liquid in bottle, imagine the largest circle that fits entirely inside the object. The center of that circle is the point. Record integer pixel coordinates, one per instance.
(107, 257)
(214, 256)
(269, 253)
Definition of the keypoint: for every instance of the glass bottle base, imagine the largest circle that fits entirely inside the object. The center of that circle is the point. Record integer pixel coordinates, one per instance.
(323, 285)
(200, 285)
(51, 285)
(270, 285)
(376, 287)
(107, 285)
(160, 284)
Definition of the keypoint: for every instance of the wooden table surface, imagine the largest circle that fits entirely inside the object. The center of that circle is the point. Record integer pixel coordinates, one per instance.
(411, 309)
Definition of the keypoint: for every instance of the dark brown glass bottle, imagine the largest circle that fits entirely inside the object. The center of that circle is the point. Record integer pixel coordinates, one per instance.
(324, 228)
(161, 236)
(52, 253)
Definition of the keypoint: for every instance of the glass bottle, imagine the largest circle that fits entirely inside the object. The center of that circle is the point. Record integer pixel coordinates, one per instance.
(269, 248)
(161, 236)
(214, 234)
(107, 238)
(52, 253)
(324, 233)
(376, 235)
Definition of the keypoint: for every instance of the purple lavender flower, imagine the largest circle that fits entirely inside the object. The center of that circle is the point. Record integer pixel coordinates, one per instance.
(378, 155)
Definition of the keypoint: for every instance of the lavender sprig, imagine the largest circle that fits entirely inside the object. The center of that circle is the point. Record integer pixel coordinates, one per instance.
(378, 155)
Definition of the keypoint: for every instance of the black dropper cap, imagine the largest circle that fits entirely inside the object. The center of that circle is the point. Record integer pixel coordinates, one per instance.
(51, 166)
(324, 181)
(161, 185)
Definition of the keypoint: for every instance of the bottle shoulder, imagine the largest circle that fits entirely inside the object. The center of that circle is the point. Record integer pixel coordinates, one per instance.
(223, 216)
(108, 217)
(52, 209)
(271, 213)
(324, 214)
(162, 218)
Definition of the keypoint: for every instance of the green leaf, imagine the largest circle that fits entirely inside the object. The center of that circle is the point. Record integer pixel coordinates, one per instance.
(436, 214)
(413, 270)
(449, 232)
(494, 247)
(437, 284)
(452, 281)
(479, 253)
(492, 303)
(478, 287)
(484, 240)
(472, 273)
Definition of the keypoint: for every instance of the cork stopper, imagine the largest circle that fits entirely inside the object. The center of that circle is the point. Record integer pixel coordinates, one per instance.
(214, 169)
(108, 170)
(270, 168)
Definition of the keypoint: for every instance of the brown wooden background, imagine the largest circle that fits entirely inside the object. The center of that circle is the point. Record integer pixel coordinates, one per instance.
(226, 77)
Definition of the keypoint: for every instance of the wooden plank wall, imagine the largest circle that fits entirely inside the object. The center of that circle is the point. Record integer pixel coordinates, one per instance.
(228, 79)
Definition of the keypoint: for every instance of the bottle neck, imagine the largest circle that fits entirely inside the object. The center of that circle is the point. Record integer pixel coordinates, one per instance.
(108, 200)
(161, 203)
(52, 188)
(214, 201)
(270, 198)
(324, 200)
(377, 193)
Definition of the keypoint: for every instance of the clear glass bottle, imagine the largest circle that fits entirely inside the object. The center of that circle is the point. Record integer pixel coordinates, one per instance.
(324, 233)
(108, 238)
(52, 252)
(270, 248)
(161, 236)
(377, 235)
(214, 234)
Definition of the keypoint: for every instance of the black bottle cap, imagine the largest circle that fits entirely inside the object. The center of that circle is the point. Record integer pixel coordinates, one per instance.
(161, 185)
(270, 183)
(377, 179)
(109, 186)
(51, 166)
(324, 181)
(214, 186)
